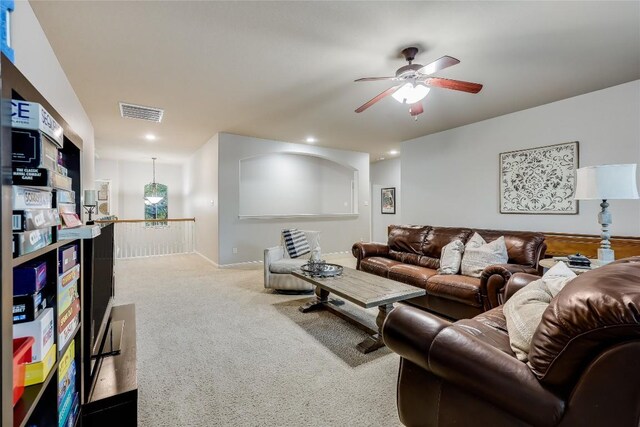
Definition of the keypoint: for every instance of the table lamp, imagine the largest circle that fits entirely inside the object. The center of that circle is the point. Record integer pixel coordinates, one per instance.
(606, 182)
(89, 203)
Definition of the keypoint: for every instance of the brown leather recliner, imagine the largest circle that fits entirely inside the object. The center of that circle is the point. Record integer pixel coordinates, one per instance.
(583, 368)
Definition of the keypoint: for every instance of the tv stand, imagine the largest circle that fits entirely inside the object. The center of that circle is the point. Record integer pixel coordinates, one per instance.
(114, 398)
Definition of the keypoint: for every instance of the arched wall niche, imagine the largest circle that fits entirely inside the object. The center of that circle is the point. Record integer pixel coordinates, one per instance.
(296, 184)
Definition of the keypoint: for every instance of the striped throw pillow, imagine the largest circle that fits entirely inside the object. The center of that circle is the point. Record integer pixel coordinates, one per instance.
(296, 242)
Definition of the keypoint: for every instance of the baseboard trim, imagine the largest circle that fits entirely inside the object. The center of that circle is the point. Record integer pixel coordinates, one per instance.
(152, 256)
(338, 253)
(210, 261)
(236, 264)
(261, 261)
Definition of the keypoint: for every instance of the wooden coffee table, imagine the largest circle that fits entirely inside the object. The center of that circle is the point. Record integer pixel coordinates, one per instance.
(363, 289)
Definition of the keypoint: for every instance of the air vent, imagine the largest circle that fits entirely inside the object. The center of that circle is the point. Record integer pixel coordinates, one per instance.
(132, 111)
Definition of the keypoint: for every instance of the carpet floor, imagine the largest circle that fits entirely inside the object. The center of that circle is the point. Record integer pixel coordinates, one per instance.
(217, 349)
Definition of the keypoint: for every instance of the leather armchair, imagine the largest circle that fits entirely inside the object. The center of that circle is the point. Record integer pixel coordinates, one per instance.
(582, 367)
(494, 279)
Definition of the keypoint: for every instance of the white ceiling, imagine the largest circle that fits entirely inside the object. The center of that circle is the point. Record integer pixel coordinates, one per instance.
(285, 70)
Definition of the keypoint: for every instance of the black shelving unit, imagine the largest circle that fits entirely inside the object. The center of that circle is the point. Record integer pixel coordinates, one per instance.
(39, 402)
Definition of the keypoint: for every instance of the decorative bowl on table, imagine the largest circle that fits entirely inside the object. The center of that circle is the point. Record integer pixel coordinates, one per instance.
(321, 269)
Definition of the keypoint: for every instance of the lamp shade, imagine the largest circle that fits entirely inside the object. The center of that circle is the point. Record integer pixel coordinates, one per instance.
(153, 199)
(89, 197)
(606, 182)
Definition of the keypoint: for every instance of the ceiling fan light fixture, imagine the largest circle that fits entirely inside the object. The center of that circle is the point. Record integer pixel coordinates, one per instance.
(410, 93)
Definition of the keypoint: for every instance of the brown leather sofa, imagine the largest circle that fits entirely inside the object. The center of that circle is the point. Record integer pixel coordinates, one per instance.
(412, 256)
(582, 369)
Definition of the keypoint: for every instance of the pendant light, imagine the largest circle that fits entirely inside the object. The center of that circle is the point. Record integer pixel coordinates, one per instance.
(154, 198)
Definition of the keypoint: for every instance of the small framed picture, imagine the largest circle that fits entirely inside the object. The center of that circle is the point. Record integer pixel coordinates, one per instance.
(388, 200)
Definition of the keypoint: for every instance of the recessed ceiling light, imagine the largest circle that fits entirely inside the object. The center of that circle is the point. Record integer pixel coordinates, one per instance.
(381, 158)
(393, 152)
(311, 139)
(150, 137)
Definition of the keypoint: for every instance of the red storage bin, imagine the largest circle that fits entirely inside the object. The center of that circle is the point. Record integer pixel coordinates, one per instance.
(21, 356)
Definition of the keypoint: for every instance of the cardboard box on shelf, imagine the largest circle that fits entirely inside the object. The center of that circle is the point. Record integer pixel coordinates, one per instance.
(66, 317)
(66, 196)
(30, 241)
(68, 288)
(81, 232)
(67, 257)
(29, 278)
(70, 220)
(32, 219)
(40, 177)
(66, 359)
(27, 308)
(41, 330)
(62, 170)
(31, 115)
(67, 381)
(37, 372)
(31, 198)
(67, 371)
(32, 149)
(67, 334)
(66, 208)
(66, 409)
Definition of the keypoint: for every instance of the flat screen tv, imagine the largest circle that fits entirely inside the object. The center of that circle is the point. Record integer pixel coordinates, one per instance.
(99, 291)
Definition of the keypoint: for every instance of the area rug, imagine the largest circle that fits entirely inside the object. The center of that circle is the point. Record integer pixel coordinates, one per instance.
(335, 334)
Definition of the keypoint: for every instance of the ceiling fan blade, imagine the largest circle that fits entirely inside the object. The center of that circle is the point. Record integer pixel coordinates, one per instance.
(438, 64)
(416, 109)
(369, 103)
(373, 79)
(453, 84)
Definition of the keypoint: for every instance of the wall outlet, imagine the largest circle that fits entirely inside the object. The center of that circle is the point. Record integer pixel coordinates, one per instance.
(235, 250)
(366, 203)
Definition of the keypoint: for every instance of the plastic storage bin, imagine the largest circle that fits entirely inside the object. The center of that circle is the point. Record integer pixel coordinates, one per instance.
(21, 356)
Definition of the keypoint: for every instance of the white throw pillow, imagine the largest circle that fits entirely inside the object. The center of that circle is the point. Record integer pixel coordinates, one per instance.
(478, 255)
(475, 242)
(523, 311)
(451, 257)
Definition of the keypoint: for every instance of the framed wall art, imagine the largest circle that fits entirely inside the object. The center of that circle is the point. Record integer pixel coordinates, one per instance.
(388, 200)
(539, 180)
(103, 190)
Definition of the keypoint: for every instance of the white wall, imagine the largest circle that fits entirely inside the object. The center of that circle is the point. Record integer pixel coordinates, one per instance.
(35, 58)
(451, 178)
(252, 236)
(384, 174)
(280, 183)
(201, 197)
(127, 186)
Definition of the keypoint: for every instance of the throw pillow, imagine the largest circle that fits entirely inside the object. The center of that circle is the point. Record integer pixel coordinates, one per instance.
(475, 241)
(451, 257)
(477, 258)
(523, 311)
(295, 241)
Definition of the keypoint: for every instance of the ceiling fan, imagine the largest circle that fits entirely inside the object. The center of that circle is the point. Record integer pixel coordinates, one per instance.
(415, 81)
